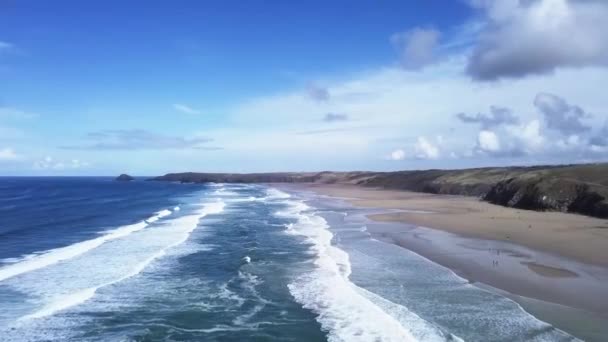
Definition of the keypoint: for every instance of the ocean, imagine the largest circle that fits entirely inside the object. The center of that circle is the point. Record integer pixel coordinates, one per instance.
(91, 259)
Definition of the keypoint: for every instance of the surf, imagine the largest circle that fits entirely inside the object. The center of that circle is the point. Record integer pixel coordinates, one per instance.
(177, 232)
(39, 260)
(339, 304)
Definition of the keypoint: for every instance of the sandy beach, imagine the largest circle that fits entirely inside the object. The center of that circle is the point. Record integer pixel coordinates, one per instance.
(578, 237)
(553, 264)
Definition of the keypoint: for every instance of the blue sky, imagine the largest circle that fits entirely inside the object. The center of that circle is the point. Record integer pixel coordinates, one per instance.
(94, 88)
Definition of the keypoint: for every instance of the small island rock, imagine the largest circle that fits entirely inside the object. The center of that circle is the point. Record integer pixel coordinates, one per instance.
(124, 178)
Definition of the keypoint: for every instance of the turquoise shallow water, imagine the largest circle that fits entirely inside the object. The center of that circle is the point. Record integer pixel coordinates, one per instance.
(225, 263)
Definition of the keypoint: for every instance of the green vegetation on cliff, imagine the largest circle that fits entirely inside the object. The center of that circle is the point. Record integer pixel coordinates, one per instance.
(579, 189)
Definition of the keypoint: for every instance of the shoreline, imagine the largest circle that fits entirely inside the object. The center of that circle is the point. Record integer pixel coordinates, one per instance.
(557, 287)
(572, 236)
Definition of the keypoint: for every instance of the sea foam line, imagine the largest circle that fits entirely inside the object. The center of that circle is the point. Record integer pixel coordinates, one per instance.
(184, 226)
(340, 305)
(53, 256)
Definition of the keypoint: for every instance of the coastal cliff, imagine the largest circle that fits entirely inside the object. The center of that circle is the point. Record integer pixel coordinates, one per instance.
(579, 189)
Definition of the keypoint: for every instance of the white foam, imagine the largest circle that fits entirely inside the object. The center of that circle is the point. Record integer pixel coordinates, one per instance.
(272, 193)
(244, 199)
(341, 308)
(176, 208)
(181, 228)
(250, 282)
(247, 259)
(424, 330)
(224, 192)
(53, 256)
(159, 215)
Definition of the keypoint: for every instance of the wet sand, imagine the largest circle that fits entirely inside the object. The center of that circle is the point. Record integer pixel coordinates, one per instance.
(572, 236)
(553, 264)
(548, 271)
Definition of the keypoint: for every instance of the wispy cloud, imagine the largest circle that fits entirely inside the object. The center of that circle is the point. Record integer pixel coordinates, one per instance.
(417, 47)
(185, 109)
(49, 163)
(333, 117)
(498, 116)
(138, 139)
(8, 154)
(317, 93)
(5, 46)
(323, 131)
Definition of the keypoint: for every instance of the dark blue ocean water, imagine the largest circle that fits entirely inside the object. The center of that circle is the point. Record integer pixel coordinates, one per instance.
(97, 260)
(42, 213)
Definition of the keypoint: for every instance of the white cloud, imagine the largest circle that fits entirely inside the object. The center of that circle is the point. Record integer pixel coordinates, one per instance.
(138, 139)
(514, 140)
(185, 109)
(397, 155)
(538, 36)
(8, 154)
(529, 137)
(487, 141)
(417, 47)
(391, 105)
(424, 149)
(49, 163)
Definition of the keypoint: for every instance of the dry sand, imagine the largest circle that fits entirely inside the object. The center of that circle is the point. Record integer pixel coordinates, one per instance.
(553, 264)
(577, 237)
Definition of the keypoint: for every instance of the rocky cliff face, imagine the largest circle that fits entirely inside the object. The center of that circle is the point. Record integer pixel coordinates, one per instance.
(550, 194)
(579, 189)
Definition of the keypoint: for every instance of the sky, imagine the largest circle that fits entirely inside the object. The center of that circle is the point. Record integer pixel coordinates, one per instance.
(106, 87)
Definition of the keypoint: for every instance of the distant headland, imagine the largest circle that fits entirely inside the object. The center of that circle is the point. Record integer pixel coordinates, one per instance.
(581, 189)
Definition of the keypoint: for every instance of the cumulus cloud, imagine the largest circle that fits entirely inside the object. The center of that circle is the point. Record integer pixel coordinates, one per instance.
(185, 109)
(317, 93)
(487, 141)
(424, 149)
(333, 117)
(399, 103)
(498, 116)
(416, 47)
(559, 132)
(138, 139)
(529, 136)
(8, 154)
(512, 141)
(538, 36)
(397, 155)
(561, 116)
